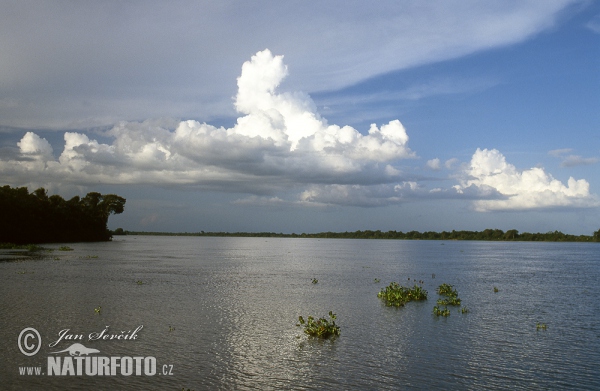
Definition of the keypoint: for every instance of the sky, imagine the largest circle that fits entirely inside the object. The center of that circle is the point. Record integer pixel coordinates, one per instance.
(308, 117)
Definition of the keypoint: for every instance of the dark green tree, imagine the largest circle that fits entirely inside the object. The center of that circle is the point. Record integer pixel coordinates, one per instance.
(36, 218)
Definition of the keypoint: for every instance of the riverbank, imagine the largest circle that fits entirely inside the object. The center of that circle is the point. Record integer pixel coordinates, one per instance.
(485, 235)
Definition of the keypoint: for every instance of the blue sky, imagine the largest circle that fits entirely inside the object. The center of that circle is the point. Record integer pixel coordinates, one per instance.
(285, 117)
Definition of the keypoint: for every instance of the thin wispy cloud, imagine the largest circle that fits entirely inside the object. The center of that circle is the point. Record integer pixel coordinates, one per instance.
(570, 160)
(97, 63)
(594, 24)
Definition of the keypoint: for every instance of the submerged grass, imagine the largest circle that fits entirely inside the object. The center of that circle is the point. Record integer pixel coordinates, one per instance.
(28, 247)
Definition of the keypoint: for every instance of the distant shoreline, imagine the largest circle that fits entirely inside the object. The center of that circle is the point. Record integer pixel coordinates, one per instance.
(485, 235)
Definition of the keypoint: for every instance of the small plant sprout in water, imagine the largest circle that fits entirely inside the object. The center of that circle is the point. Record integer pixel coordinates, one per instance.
(139, 282)
(495, 289)
(464, 310)
(395, 295)
(65, 248)
(541, 326)
(98, 310)
(320, 328)
(171, 328)
(376, 280)
(314, 281)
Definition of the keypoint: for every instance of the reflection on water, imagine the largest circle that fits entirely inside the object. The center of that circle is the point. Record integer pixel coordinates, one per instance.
(223, 313)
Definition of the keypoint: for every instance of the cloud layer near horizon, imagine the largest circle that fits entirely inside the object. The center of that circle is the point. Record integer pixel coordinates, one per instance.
(280, 151)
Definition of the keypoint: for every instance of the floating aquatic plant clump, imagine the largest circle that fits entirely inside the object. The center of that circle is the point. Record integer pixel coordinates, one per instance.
(396, 295)
(320, 328)
(447, 290)
(449, 301)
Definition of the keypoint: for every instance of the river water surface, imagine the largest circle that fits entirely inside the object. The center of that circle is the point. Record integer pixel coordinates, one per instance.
(221, 313)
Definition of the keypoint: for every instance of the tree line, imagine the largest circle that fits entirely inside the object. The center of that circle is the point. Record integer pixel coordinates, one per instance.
(35, 217)
(487, 235)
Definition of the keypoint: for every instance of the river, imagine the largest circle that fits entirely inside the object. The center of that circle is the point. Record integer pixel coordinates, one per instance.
(222, 313)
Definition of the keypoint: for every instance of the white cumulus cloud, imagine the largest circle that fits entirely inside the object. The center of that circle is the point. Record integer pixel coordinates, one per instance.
(279, 143)
(489, 173)
(33, 145)
(434, 164)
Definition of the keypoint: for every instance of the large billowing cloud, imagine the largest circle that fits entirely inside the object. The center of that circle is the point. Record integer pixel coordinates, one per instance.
(279, 143)
(281, 151)
(489, 173)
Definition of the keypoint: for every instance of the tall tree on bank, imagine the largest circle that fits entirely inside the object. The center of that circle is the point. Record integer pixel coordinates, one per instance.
(36, 218)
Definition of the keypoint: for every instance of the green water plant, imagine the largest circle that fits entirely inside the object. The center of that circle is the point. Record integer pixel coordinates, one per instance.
(320, 328)
(396, 295)
(65, 248)
(447, 290)
(437, 311)
(314, 281)
(377, 280)
(139, 282)
(98, 310)
(495, 289)
(451, 298)
(455, 301)
(541, 326)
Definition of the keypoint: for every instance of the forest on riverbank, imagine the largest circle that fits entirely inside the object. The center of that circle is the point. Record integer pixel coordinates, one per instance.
(29, 218)
(488, 234)
(32, 218)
